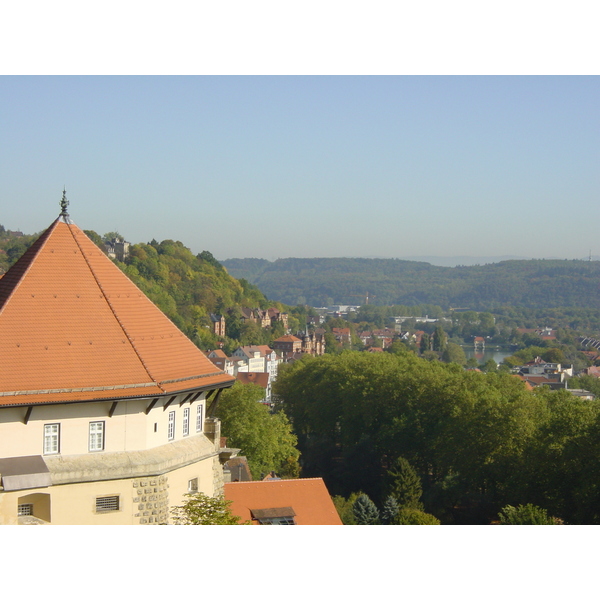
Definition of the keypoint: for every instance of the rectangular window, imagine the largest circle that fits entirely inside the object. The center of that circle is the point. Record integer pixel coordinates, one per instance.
(25, 510)
(52, 438)
(199, 419)
(186, 421)
(107, 503)
(193, 485)
(96, 442)
(278, 521)
(171, 432)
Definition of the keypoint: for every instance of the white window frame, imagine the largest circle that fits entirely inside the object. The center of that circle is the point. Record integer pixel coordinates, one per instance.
(193, 486)
(200, 418)
(96, 436)
(186, 421)
(52, 438)
(171, 428)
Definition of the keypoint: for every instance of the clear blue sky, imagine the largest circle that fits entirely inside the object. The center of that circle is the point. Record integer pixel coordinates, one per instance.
(309, 166)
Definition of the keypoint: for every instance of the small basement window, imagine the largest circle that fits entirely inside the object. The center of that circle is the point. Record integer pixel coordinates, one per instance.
(25, 510)
(107, 503)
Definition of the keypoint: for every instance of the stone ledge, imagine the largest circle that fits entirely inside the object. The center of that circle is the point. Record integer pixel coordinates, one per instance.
(125, 465)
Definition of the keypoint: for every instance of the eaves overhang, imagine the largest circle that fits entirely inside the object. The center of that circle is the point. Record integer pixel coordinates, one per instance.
(32, 398)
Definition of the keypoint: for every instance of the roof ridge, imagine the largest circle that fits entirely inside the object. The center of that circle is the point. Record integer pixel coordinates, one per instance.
(29, 257)
(106, 298)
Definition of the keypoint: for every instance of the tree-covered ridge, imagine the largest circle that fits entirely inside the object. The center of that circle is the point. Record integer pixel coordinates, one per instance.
(12, 246)
(324, 281)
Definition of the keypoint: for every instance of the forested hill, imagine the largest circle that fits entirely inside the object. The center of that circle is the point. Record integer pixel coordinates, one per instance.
(326, 281)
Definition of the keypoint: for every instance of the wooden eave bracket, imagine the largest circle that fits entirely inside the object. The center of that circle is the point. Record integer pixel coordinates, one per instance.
(168, 403)
(213, 407)
(112, 409)
(185, 399)
(151, 406)
(27, 415)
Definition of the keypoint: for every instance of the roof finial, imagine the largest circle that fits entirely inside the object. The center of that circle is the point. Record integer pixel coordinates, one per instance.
(63, 205)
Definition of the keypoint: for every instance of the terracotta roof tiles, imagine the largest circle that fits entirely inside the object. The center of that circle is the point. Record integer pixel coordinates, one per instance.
(74, 327)
(308, 498)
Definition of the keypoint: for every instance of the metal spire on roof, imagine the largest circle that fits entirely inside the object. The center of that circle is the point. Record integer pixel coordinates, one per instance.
(63, 206)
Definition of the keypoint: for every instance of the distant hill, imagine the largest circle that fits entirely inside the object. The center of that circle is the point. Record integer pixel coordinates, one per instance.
(324, 281)
(464, 261)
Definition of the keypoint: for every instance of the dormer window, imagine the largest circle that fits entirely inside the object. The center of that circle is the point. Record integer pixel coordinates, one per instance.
(274, 516)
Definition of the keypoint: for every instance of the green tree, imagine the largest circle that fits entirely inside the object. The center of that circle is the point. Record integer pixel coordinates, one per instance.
(96, 238)
(425, 344)
(264, 438)
(454, 354)
(527, 514)
(412, 516)
(439, 339)
(553, 355)
(110, 236)
(404, 484)
(490, 365)
(389, 510)
(344, 508)
(365, 511)
(200, 509)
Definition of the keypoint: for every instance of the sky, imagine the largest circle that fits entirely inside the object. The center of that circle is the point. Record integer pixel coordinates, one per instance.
(306, 166)
(395, 132)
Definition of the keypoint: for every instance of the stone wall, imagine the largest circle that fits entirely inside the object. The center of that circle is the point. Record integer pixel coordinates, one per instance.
(151, 500)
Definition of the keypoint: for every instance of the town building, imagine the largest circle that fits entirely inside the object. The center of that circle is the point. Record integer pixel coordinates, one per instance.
(104, 403)
(313, 342)
(218, 324)
(222, 361)
(288, 344)
(117, 248)
(303, 343)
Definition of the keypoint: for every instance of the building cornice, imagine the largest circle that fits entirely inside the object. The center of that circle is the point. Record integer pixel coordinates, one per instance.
(106, 466)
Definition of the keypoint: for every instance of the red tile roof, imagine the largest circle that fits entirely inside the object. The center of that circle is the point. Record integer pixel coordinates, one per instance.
(288, 338)
(261, 379)
(309, 499)
(73, 327)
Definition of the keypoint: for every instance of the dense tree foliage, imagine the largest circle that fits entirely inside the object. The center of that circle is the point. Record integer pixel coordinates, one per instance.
(404, 485)
(345, 507)
(264, 438)
(413, 516)
(12, 247)
(477, 441)
(199, 509)
(527, 514)
(365, 511)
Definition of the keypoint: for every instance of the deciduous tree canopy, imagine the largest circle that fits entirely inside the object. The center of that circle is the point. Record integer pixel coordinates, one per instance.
(264, 438)
(477, 441)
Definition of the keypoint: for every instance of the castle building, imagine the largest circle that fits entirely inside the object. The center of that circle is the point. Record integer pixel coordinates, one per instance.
(103, 400)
